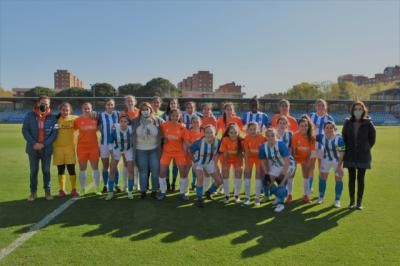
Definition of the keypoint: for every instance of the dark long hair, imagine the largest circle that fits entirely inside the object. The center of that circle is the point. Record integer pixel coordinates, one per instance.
(224, 114)
(310, 131)
(61, 106)
(168, 110)
(239, 139)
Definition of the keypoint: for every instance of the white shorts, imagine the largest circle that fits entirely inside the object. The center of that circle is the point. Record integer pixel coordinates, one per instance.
(105, 151)
(208, 167)
(275, 170)
(128, 155)
(318, 152)
(326, 166)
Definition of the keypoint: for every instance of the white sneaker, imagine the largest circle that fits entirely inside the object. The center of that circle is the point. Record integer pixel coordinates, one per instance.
(125, 189)
(279, 208)
(337, 204)
(110, 195)
(257, 203)
(130, 195)
(237, 199)
(275, 202)
(320, 200)
(226, 200)
(246, 202)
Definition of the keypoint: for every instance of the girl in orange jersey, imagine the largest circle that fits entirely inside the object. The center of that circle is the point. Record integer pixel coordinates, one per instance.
(303, 145)
(174, 134)
(251, 146)
(231, 150)
(208, 117)
(87, 147)
(228, 117)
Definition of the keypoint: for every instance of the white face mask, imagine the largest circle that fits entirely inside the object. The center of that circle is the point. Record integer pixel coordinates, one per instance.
(145, 114)
(358, 113)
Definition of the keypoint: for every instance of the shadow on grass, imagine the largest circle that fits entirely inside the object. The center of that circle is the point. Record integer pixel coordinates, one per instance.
(144, 219)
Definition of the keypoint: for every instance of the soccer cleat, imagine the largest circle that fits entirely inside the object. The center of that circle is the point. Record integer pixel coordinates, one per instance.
(320, 200)
(246, 202)
(200, 204)
(153, 195)
(226, 200)
(289, 199)
(306, 199)
(74, 193)
(257, 203)
(104, 190)
(118, 189)
(279, 208)
(32, 197)
(61, 193)
(161, 196)
(130, 195)
(110, 195)
(208, 195)
(48, 196)
(222, 191)
(237, 199)
(183, 197)
(352, 205)
(125, 189)
(337, 204)
(143, 195)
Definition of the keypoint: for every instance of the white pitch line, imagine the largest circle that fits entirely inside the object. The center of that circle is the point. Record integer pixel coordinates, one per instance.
(36, 227)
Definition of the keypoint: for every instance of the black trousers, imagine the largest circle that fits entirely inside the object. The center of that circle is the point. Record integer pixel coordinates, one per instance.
(359, 175)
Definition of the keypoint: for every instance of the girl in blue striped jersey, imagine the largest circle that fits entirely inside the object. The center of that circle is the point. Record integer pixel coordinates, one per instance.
(255, 115)
(332, 157)
(122, 147)
(204, 154)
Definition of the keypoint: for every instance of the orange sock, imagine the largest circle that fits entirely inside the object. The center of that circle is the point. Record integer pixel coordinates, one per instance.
(72, 180)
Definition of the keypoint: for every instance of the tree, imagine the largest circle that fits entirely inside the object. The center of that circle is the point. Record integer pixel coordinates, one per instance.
(130, 89)
(304, 90)
(103, 90)
(74, 92)
(39, 91)
(5, 93)
(161, 87)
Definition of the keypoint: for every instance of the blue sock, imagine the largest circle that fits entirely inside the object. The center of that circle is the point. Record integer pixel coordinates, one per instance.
(199, 192)
(105, 177)
(322, 187)
(193, 178)
(116, 177)
(130, 185)
(338, 189)
(111, 185)
(311, 178)
(213, 188)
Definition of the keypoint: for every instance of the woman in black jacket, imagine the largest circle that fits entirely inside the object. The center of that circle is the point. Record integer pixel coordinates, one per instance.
(359, 137)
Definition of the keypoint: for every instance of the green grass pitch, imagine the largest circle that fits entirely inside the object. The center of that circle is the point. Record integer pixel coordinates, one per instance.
(93, 231)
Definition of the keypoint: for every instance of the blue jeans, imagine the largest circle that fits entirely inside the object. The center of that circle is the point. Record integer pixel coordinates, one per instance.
(148, 160)
(34, 158)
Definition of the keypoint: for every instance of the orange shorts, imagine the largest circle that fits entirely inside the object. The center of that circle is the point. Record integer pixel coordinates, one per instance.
(88, 154)
(188, 159)
(253, 161)
(300, 160)
(178, 157)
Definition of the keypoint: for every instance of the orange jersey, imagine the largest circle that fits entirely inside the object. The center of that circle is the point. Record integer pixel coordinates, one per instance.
(192, 135)
(230, 147)
(205, 121)
(302, 147)
(252, 144)
(174, 135)
(87, 131)
(292, 126)
(133, 114)
(234, 119)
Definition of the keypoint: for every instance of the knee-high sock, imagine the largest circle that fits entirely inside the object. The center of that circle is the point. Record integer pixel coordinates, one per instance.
(311, 181)
(183, 185)
(258, 188)
(136, 177)
(125, 174)
(116, 179)
(96, 178)
(111, 185)
(163, 185)
(226, 187)
(322, 187)
(290, 185)
(338, 189)
(72, 180)
(247, 184)
(130, 185)
(206, 182)
(238, 186)
(82, 179)
(105, 177)
(61, 182)
(306, 187)
(199, 192)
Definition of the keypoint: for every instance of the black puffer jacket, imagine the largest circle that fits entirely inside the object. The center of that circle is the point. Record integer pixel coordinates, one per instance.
(358, 149)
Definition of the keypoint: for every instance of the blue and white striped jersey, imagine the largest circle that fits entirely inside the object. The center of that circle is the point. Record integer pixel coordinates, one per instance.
(121, 140)
(259, 117)
(286, 138)
(319, 122)
(203, 152)
(275, 154)
(106, 123)
(187, 119)
(332, 147)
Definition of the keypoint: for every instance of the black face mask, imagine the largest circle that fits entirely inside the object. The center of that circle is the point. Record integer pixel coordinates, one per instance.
(42, 108)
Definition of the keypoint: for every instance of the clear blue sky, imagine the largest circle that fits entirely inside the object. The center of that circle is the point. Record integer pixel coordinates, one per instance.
(265, 45)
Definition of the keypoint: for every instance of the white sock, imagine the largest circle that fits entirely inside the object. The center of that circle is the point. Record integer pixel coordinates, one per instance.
(206, 182)
(290, 186)
(82, 179)
(163, 185)
(238, 186)
(183, 185)
(226, 187)
(306, 187)
(96, 178)
(258, 188)
(136, 177)
(247, 184)
(125, 173)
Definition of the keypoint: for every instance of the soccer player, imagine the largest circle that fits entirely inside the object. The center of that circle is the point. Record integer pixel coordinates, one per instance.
(303, 146)
(204, 155)
(107, 120)
(279, 166)
(87, 147)
(64, 149)
(121, 141)
(232, 156)
(251, 146)
(156, 103)
(255, 116)
(174, 134)
(282, 131)
(208, 117)
(190, 111)
(284, 107)
(228, 117)
(333, 154)
(192, 135)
